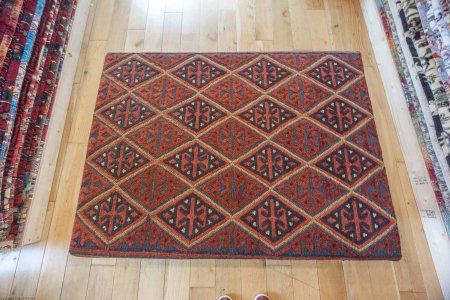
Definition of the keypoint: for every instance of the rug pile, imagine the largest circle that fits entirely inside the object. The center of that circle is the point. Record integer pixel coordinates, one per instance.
(235, 155)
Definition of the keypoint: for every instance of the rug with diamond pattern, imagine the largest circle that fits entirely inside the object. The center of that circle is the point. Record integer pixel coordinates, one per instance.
(235, 155)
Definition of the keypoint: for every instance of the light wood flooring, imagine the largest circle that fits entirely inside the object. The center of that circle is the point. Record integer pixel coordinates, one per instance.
(46, 271)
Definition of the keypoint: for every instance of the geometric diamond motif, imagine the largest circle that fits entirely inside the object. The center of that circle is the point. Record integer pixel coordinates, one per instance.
(311, 191)
(331, 73)
(112, 214)
(301, 93)
(232, 138)
(191, 217)
(198, 73)
(232, 189)
(264, 73)
(164, 92)
(347, 164)
(127, 113)
(154, 186)
(269, 163)
(267, 115)
(108, 91)
(159, 136)
(376, 189)
(358, 94)
(305, 139)
(119, 159)
(272, 218)
(100, 135)
(339, 116)
(197, 114)
(133, 72)
(194, 161)
(366, 137)
(232, 93)
(356, 220)
(93, 184)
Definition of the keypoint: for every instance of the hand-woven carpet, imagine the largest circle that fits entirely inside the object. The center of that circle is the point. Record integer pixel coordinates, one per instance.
(235, 155)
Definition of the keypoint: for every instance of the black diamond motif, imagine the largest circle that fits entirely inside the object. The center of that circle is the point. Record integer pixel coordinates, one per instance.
(264, 73)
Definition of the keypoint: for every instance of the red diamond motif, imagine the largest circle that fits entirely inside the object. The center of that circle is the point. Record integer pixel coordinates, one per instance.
(126, 113)
(357, 221)
(311, 191)
(264, 73)
(357, 93)
(108, 92)
(93, 184)
(119, 159)
(133, 71)
(159, 137)
(164, 92)
(376, 189)
(305, 139)
(232, 138)
(339, 116)
(100, 135)
(269, 163)
(347, 164)
(267, 115)
(366, 138)
(198, 73)
(232, 189)
(112, 214)
(191, 218)
(301, 94)
(197, 114)
(272, 218)
(154, 186)
(232, 93)
(194, 161)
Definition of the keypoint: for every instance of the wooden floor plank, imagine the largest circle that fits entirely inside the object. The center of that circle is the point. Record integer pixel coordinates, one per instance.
(76, 277)
(56, 251)
(331, 280)
(28, 269)
(203, 273)
(101, 283)
(253, 277)
(357, 280)
(279, 282)
(305, 280)
(151, 279)
(126, 279)
(176, 283)
(172, 32)
(228, 278)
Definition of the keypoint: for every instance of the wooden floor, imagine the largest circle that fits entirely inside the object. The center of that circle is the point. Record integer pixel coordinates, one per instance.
(46, 271)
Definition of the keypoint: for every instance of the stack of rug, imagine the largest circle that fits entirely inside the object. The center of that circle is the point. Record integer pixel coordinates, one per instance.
(33, 38)
(419, 34)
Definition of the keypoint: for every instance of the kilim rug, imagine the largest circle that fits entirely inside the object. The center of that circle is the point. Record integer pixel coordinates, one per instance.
(235, 155)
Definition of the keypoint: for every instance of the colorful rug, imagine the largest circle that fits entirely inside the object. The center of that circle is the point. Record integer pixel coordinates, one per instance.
(33, 41)
(235, 155)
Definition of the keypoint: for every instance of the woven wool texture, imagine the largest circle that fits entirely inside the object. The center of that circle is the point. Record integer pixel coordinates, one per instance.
(228, 155)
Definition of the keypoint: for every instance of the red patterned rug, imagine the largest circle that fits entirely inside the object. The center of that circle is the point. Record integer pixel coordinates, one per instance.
(235, 155)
